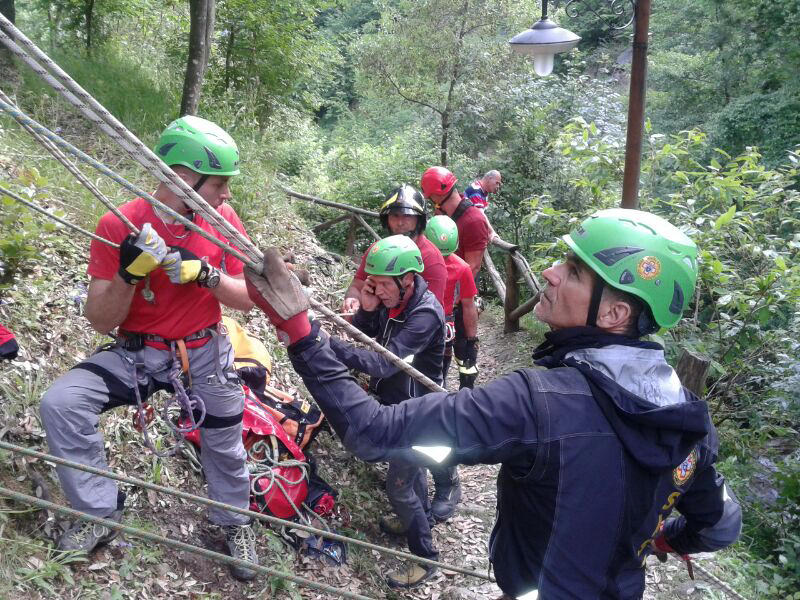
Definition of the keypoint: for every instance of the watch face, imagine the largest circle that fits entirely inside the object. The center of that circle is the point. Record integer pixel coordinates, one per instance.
(213, 279)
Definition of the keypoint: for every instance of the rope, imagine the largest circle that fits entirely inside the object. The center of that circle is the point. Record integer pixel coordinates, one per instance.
(714, 579)
(242, 511)
(24, 119)
(61, 157)
(39, 209)
(97, 114)
(352, 331)
(159, 539)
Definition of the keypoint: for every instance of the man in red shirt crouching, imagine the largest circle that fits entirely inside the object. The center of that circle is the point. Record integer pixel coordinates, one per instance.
(162, 292)
(403, 213)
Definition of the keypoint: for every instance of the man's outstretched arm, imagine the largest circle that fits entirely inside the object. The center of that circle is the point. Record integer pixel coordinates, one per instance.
(488, 425)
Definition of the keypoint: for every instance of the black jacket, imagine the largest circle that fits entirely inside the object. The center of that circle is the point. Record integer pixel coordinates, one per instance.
(596, 452)
(416, 335)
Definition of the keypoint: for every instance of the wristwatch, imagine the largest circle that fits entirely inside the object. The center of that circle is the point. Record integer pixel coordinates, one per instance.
(210, 279)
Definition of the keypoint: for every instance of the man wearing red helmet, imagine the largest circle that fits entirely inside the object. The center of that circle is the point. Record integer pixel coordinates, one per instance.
(474, 232)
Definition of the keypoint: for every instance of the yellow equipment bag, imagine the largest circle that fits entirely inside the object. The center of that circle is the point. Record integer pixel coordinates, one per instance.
(251, 359)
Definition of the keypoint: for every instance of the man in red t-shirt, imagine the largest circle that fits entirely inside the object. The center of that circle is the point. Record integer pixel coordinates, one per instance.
(162, 291)
(402, 213)
(474, 232)
(461, 316)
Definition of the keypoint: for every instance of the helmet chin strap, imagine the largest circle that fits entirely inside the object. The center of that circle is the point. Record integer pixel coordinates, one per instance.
(397, 280)
(594, 302)
(196, 187)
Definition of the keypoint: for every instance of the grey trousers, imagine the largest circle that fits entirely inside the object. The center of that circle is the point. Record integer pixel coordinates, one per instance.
(71, 409)
(407, 488)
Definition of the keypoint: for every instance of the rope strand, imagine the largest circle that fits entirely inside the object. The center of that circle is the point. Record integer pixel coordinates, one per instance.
(242, 511)
(159, 539)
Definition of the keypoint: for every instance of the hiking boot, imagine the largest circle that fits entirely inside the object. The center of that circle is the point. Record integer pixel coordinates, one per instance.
(410, 576)
(392, 525)
(447, 495)
(241, 540)
(85, 536)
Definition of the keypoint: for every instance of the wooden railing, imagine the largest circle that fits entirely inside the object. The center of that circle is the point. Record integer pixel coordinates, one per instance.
(517, 269)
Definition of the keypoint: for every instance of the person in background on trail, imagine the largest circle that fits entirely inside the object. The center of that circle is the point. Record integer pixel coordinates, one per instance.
(597, 449)
(478, 191)
(461, 316)
(474, 232)
(398, 309)
(461, 311)
(164, 302)
(403, 213)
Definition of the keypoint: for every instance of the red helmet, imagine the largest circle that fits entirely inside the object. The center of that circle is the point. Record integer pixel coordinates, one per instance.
(437, 180)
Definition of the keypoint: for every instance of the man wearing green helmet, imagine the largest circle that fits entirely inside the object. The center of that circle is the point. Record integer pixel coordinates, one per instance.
(597, 449)
(398, 309)
(164, 300)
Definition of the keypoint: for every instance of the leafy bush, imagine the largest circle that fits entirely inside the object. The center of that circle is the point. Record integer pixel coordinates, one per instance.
(20, 227)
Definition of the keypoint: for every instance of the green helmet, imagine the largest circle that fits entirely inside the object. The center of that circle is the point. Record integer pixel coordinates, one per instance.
(443, 233)
(395, 255)
(641, 254)
(200, 145)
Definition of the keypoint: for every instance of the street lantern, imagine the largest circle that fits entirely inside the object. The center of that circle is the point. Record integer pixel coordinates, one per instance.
(543, 41)
(546, 39)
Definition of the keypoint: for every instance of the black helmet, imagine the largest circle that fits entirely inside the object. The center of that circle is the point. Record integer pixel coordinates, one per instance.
(405, 200)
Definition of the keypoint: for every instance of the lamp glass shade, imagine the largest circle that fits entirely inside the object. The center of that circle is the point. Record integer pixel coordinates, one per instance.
(542, 41)
(543, 64)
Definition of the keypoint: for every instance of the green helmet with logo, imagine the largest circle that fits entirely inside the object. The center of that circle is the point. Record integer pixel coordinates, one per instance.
(641, 254)
(443, 233)
(199, 144)
(395, 256)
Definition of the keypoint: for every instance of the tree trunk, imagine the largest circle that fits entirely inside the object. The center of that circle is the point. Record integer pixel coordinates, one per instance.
(88, 12)
(445, 131)
(202, 13)
(229, 54)
(8, 71)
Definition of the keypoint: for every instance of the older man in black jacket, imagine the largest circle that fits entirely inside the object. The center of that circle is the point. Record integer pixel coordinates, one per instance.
(596, 450)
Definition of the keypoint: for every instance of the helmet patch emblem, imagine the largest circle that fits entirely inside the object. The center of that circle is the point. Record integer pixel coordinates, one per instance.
(198, 163)
(684, 471)
(649, 268)
(443, 237)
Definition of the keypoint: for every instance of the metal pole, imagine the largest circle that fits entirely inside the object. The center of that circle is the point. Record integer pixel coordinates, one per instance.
(633, 142)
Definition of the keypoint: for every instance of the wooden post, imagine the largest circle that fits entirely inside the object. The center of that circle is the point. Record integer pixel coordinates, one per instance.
(636, 99)
(692, 370)
(326, 224)
(350, 248)
(524, 308)
(366, 226)
(494, 276)
(512, 294)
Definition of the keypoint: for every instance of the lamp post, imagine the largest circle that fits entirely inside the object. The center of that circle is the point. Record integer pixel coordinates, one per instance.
(545, 39)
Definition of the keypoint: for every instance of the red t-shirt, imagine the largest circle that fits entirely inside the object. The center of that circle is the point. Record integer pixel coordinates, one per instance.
(460, 283)
(178, 310)
(434, 273)
(473, 231)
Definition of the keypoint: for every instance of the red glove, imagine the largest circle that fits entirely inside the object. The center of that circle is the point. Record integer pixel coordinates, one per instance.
(661, 548)
(277, 292)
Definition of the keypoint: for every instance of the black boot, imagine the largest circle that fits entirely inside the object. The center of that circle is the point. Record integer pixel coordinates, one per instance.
(447, 495)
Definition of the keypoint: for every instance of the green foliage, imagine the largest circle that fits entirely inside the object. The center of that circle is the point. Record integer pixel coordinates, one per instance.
(772, 119)
(272, 52)
(20, 227)
(729, 68)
